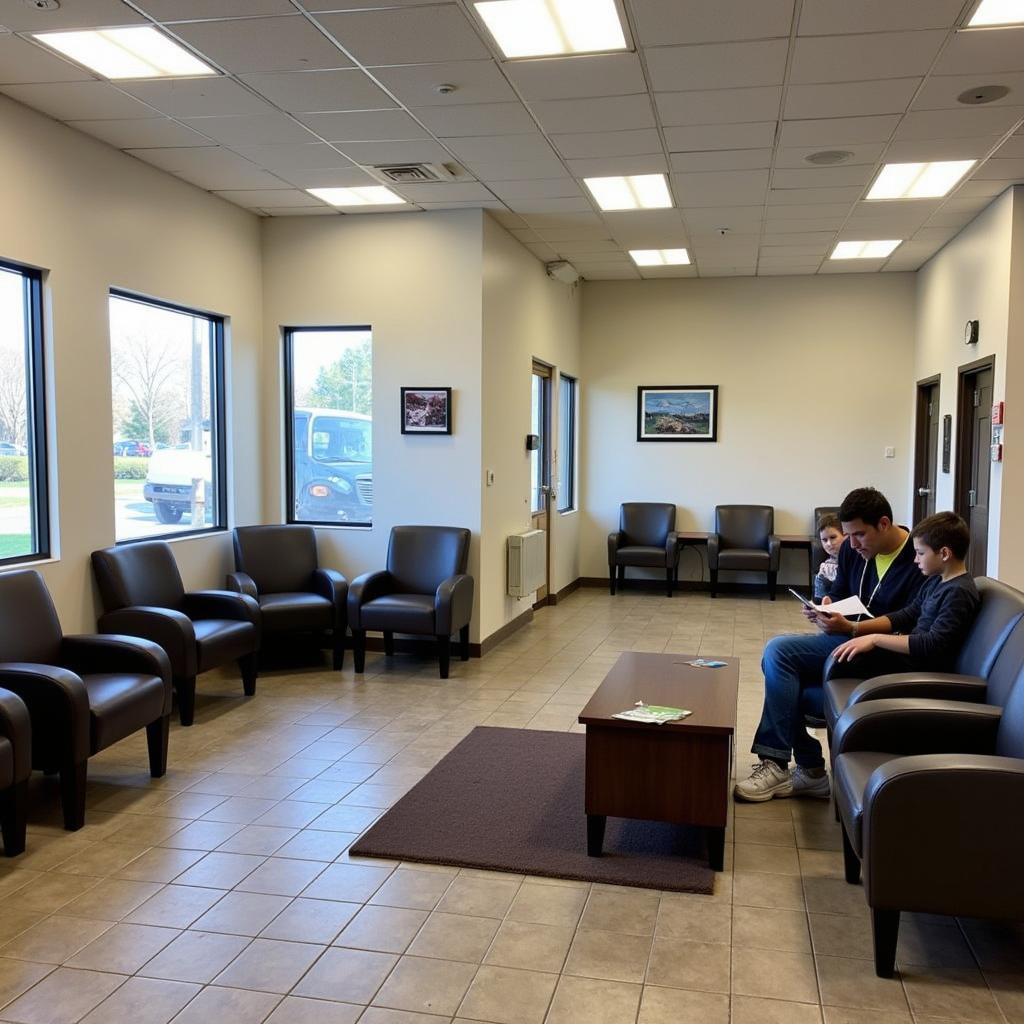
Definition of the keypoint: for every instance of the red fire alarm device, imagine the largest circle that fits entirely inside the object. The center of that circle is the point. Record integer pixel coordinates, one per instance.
(997, 414)
(997, 453)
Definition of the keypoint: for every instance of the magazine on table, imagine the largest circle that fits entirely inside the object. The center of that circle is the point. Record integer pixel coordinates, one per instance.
(653, 714)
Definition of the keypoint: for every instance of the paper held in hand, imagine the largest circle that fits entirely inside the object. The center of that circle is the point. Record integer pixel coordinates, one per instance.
(849, 607)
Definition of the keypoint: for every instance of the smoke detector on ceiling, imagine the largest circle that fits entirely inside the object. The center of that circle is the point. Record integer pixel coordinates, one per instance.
(828, 157)
(416, 174)
(42, 5)
(982, 94)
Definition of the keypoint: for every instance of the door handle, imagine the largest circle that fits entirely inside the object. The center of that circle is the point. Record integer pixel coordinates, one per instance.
(972, 498)
(924, 491)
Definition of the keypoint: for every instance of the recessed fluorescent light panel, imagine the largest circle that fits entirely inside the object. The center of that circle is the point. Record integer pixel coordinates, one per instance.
(545, 28)
(874, 250)
(140, 52)
(371, 195)
(998, 12)
(636, 192)
(919, 181)
(660, 257)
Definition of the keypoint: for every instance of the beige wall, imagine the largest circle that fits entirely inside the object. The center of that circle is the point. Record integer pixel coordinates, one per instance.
(93, 219)
(1011, 549)
(814, 378)
(526, 315)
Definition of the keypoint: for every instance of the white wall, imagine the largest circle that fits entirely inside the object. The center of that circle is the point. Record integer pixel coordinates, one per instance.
(814, 378)
(526, 315)
(93, 219)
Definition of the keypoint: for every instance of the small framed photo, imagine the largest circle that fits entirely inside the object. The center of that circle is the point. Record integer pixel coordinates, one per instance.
(426, 410)
(685, 412)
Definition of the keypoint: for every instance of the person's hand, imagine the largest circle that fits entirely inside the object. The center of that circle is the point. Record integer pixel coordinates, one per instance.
(858, 645)
(834, 625)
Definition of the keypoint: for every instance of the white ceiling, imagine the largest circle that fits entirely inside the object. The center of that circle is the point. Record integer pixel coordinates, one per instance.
(728, 97)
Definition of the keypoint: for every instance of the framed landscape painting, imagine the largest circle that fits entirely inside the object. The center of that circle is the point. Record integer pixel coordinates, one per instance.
(426, 410)
(681, 413)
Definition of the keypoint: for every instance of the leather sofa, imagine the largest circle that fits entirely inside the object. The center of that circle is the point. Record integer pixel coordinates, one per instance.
(83, 693)
(143, 596)
(15, 768)
(279, 568)
(646, 538)
(424, 591)
(744, 540)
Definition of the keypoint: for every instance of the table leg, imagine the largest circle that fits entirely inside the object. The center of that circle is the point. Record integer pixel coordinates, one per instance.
(595, 834)
(716, 848)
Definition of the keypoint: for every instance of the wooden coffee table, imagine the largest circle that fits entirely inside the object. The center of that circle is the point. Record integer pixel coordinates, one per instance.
(678, 772)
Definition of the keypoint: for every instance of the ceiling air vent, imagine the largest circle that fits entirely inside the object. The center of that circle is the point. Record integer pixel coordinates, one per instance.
(415, 174)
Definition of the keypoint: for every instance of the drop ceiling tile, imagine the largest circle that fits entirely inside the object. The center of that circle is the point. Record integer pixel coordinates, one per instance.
(462, 119)
(961, 203)
(78, 101)
(583, 248)
(286, 159)
(584, 145)
(599, 167)
(270, 197)
(415, 151)
(364, 125)
(968, 122)
(795, 156)
(951, 219)
(805, 196)
(528, 207)
(837, 132)
(328, 177)
(412, 36)
(606, 113)
(653, 273)
(719, 106)
(818, 239)
(447, 192)
(712, 218)
(825, 17)
(520, 170)
(809, 211)
(491, 148)
(780, 227)
(301, 211)
(999, 169)
(720, 136)
(319, 6)
(661, 22)
(718, 188)
(780, 254)
(722, 160)
(22, 17)
(141, 133)
(611, 273)
(510, 221)
(541, 188)
(849, 99)
(717, 65)
(797, 270)
(320, 91)
(982, 51)
(210, 167)
(851, 266)
(978, 188)
(188, 10)
(853, 58)
(584, 223)
(822, 177)
(940, 91)
(555, 78)
(716, 271)
(23, 63)
(1012, 148)
(541, 251)
(455, 204)
(879, 227)
(897, 210)
(252, 129)
(475, 81)
(612, 258)
(937, 235)
(633, 221)
(288, 43)
(197, 97)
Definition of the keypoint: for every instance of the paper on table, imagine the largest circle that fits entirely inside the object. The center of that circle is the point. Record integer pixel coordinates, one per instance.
(848, 607)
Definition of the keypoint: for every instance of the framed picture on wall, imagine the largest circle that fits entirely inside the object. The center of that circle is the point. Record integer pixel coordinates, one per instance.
(426, 410)
(684, 412)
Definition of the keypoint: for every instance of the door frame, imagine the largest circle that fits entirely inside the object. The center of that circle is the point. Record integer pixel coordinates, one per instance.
(921, 436)
(964, 404)
(546, 371)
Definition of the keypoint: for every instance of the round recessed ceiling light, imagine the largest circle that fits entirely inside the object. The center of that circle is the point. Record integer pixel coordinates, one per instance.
(827, 157)
(983, 94)
(42, 5)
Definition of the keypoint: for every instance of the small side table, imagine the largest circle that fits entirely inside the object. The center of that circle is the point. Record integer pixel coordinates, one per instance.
(690, 538)
(804, 542)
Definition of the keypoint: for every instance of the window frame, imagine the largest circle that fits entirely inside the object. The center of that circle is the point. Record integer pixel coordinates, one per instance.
(218, 415)
(36, 419)
(569, 418)
(287, 337)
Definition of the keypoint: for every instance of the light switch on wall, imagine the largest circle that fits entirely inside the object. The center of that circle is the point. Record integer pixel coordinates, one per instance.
(890, 453)
(489, 477)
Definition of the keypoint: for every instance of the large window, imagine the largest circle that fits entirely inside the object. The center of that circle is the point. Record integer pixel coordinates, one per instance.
(167, 380)
(329, 425)
(567, 388)
(24, 513)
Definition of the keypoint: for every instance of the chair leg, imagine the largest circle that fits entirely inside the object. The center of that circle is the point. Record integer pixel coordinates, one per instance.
(72, 794)
(389, 643)
(464, 642)
(338, 655)
(185, 688)
(359, 649)
(157, 733)
(885, 928)
(444, 653)
(851, 862)
(668, 582)
(714, 582)
(248, 665)
(611, 580)
(772, 582)
(14, 818)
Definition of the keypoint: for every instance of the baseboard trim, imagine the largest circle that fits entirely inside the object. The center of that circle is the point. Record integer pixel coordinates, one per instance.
(503, 634)
(565, 591)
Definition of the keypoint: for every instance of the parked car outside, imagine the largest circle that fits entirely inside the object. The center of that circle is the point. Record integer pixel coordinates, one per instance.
(333, 466)
(9, 448)
(139, 449)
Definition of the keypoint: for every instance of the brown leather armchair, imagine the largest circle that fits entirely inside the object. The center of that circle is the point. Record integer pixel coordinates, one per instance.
(646, 538)
(744, 540)
(83, 693)
(934, 832)
(424, 591)
(15, 768)
(278, 567)
(143, 595)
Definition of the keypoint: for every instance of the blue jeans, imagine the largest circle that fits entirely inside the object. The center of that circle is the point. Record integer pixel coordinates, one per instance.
(792, 665)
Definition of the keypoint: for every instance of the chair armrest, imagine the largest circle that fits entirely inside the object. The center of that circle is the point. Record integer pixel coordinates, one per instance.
(171, 629)
(923, 685)
(364, 589)
(713, 544)
(774, 552)
(16, 725)
(331, 584)
(242, 583)
(453, 604)
(614, 543)
(221, 604)
(58, 707)
(110, 652)
(908, 726)
(671, 548)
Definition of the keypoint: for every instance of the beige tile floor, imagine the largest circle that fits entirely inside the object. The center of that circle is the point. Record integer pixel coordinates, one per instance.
(223, 892)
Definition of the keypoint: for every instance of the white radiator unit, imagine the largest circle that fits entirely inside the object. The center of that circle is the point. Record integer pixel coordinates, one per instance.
(527, 562)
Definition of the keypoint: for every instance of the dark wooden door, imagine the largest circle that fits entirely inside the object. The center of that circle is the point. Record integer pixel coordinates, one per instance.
(974, 436)
(926, 448)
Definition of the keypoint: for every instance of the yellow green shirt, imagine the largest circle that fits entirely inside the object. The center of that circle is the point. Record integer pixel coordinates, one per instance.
(882, 562)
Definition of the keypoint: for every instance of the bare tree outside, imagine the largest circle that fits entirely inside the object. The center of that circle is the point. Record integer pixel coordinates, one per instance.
(16, 519)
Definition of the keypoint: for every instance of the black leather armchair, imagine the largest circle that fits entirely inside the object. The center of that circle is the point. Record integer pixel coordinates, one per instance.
(83, 693)
(143, 595)
(15, 768)
(928, 793)
(817, 551)
(278, 567)
(424, 591)
(647, 538)
(744, 540)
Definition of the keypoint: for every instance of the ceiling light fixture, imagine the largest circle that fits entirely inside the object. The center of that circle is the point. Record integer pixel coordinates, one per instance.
(140, 52)
(874, 250)
(919, 180)
(366, 195)
(660, 257)
(544, 28)
(998, 12)
(632, 192)
(828, 157)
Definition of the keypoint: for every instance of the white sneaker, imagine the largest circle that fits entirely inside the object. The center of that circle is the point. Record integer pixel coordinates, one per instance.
(767, 780)
(806, 784)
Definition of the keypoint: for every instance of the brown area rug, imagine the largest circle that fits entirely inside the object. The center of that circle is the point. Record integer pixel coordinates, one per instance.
(512, 800)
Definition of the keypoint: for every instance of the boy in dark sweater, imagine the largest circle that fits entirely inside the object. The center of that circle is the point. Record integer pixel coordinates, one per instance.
(927, 634)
